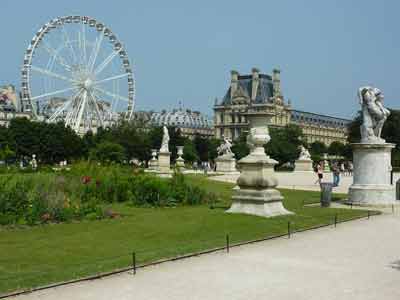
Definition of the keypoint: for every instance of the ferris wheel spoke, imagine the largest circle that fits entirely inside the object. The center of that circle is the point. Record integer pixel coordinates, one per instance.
(84, 43)
(64, 107)
(80, 111)
(97, 109)
(111, 94)
(53, 93)
(106, 62)
(68, 42)
(50, 73)
(112, 78)
(60, 110)
(95, 51)
(54, 54)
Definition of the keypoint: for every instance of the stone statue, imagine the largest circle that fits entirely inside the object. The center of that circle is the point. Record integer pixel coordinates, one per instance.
(304, 154)
(165, 140)
(225, 147)
(374, 114)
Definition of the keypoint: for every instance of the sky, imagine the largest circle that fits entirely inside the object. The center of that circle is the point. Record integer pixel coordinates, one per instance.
(184, 50)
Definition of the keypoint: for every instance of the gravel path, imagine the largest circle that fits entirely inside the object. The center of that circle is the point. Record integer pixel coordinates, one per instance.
(301, 180)
(356, 260)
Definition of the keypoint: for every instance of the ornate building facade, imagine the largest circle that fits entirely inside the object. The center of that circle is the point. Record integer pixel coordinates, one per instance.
(189, 122)
(263, 92)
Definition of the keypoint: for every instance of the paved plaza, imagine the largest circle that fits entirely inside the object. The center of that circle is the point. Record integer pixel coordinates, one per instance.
(302, 180)
(356, 260)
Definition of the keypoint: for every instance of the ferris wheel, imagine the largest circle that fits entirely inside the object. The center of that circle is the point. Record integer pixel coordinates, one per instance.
(76, 70)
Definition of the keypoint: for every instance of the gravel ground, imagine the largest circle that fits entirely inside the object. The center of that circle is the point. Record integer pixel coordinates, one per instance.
(301, 180)
(356, 260)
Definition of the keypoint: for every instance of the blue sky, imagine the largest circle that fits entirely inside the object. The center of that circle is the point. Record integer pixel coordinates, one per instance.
(184, 50)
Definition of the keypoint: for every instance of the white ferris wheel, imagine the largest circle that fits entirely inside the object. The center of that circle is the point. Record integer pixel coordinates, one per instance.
(76, 70)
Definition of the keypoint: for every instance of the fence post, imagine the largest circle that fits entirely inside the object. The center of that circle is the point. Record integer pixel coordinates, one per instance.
(392, 208)
(336, 219)
(288, 229)
(227, 243)
(369, 213)
(134, 262)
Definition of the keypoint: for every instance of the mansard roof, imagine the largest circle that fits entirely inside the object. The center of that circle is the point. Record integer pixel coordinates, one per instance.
(264, 90)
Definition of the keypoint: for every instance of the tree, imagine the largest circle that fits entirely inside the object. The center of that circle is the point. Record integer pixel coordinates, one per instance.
(318, 148)
(107, 152)
(284, 143)
(189, 151)
(202, 147)
(240, 147)
(336, 148)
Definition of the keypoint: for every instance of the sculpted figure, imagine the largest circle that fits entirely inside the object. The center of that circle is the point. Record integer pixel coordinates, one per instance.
(225, 147)
(374, 114)
(165, 140)
(304, 153)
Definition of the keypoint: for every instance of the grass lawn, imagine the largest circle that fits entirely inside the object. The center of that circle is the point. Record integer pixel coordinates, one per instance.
(40, 255)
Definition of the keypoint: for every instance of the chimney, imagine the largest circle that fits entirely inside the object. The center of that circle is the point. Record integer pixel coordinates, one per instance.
(234, 82)
(255, 81)
(276, 82)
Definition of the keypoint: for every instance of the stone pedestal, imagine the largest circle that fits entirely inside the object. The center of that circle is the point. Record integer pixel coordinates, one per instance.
(371, 181)
(164, 162)
(255, 193)
(153, 164)
(303, 165)
(225, 164)
(180, 163)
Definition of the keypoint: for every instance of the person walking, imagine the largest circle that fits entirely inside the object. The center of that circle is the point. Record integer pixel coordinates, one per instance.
(342, 169)
(336, 175)
(320, 173)
(350, 168)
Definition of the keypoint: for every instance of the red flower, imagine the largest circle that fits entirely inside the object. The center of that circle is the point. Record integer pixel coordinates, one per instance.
(86, 179)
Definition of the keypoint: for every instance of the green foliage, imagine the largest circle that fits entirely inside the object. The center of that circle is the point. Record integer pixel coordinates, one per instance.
(337, 148)
(189, 152)
(107, 152)
(80, 194)
(284, 144)
(240, 147)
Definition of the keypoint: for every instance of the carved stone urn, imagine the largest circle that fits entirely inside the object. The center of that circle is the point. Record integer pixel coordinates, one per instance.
(255, 193)
(153, 162)
(180, 162)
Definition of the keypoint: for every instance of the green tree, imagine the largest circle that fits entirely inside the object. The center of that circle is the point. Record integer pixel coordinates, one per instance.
(107, 152)
(189, 151)
(284, 143)
(240, 147)
(336, 148)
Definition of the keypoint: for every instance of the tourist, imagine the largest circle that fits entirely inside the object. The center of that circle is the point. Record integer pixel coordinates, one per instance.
(320, 173)
(336, 174)
(350, 168)
(342, 169)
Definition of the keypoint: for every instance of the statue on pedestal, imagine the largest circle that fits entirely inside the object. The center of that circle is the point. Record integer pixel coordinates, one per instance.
(304, 154)
(225, 162)
(165, 140)
(225, 147)
(374, 114)
(304, 162)
(372, 156)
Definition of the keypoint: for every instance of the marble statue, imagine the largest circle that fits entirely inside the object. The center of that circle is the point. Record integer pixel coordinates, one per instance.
(374, 114)
(165, 140)
(225, 147)
(304, 154)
